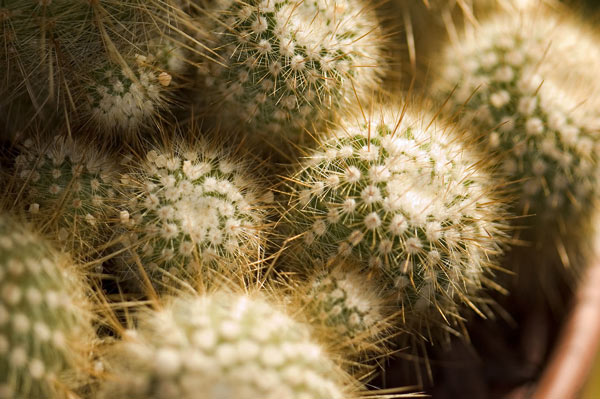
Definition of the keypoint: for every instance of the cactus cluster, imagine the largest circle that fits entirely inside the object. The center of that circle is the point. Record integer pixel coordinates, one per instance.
(402, 196)
(45, 319)
(144, 138)
(284, 66)
(189, 207)
(222, 346)
(68, 191)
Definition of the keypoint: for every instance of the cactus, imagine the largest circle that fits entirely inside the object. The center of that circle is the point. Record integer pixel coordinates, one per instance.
(285, 65)
(400, 195)
(68, 191)
(222, 346)
(347, 308)
(95, 62)
(524, 96)
(45, 322)
(190, 207)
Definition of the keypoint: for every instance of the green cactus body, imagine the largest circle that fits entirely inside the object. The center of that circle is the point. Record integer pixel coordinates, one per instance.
(288, 65)
(45, 323)
(192, 207)
(69, 193)
(404, 199)
(518, 83)
(222, 346)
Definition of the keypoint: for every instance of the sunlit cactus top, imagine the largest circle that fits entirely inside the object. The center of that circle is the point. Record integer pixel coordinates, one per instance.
(399, 194)
(519, 79)
(190, 206)
(222, 346)
(68, 191)
(45, 318)
(284, 65)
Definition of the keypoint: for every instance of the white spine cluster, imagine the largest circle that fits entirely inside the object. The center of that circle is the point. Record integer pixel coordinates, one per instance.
(192, 207)
(402, 197)
(289, 64)
(519, 83)
(45, 323)
(222, 346)
(119, 100)
(69, 191)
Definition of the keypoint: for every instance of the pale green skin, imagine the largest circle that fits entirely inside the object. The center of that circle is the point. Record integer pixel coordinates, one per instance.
(34, 284)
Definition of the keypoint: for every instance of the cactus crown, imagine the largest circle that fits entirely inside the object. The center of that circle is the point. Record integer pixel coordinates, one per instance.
(288, 63)
(404, 199)
(192, 206)
(69, 192)
(224, 346)
(45, 323)
(511, 81)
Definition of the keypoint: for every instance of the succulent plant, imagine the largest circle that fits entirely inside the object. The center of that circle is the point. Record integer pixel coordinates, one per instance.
(189, 207)
(286, 65)
(399, 194)
(346, 308)
(222, 346)
(45, 318)
(68, 192)
(518, 82)
(101, 63)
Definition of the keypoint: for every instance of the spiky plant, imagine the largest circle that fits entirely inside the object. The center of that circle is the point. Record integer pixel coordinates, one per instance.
(521, 82)
(68, 191)
(222, 346)
(282, 66)
(190, 210)
(45, 318)
(346, 307)
(399, 194)
(94, 62)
